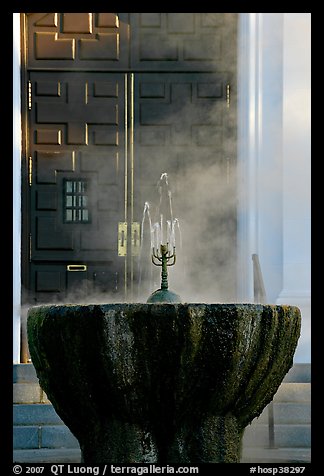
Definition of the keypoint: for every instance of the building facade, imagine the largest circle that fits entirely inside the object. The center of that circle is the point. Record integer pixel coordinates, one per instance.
(262, 104)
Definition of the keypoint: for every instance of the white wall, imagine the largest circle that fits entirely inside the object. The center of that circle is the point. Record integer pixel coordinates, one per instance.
(274, 160)
(16, 188)
(269, 173)
(260, 151)
(296, 172)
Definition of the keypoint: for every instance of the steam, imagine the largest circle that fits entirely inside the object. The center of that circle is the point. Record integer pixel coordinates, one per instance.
(205, 269)
(186, 148)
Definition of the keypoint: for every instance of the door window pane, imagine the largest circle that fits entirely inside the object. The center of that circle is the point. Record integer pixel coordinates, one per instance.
(76, 201)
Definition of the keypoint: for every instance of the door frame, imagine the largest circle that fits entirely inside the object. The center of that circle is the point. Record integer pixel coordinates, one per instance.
(17, 214)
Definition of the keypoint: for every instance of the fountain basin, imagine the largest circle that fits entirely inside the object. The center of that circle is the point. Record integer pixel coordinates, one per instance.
(164, 383)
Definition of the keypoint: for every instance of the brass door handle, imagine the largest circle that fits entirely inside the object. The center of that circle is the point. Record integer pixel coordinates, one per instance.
(136, 238)
(122, 238)
(76, 267)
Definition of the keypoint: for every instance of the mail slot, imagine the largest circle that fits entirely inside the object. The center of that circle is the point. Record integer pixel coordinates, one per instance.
(76, 267)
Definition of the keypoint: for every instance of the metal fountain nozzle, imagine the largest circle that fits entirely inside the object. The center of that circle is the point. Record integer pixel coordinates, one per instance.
(164, 258)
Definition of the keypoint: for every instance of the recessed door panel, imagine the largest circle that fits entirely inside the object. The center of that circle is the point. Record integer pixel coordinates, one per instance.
(183, 41)
(93, 41)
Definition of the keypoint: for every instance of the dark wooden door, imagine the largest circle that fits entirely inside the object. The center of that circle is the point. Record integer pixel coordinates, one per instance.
(77, 166)
(112, 101)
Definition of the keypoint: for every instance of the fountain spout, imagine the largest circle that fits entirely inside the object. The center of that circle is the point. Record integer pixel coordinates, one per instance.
(164, 259)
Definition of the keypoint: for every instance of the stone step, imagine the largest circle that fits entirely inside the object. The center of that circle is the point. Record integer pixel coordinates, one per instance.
(286, 412)
(292, 413)
(44, 414)
(293, 392)
(24, 373)
(287, 392)
(45, 455)
(49, 436)
(290, 436)
(35, 414)
(276, 455)
(28, 393)
(249, 455)
(299, 373)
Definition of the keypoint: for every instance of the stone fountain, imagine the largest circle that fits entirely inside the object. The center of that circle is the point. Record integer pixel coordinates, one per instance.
(161, 382)
(166, 382)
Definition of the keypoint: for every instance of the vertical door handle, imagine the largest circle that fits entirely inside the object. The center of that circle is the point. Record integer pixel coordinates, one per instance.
(122, 238)
(136, 238)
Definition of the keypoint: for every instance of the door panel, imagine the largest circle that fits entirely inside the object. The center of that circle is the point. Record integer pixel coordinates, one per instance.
(183, 41)
(54, 282)
(93, 41)
(77, 127)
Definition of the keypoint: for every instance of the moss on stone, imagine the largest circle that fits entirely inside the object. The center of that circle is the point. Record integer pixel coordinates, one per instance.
(179, 381)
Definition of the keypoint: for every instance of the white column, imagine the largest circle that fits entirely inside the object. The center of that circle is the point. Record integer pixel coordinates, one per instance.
(16, 189)
(259, 151)
(247, 146)
(269, 175)
(296, 173)
(274, 160)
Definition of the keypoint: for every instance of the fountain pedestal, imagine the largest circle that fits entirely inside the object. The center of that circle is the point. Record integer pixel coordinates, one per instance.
(163, 383)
